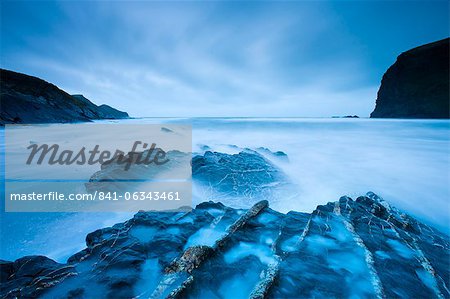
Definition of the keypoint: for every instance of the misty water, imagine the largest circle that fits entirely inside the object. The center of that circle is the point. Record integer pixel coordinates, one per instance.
(407, 162)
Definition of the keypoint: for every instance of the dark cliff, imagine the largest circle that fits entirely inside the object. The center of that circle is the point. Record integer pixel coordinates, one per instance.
(417, 84)
(26, 99)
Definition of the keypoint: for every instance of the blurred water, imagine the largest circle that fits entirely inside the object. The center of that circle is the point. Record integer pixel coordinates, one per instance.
(405, 161)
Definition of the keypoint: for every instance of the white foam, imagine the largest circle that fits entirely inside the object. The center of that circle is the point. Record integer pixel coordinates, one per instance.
(244, 249)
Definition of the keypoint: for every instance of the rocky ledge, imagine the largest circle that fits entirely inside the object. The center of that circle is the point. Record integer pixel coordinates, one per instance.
(26, 99)
(417, 85)
(349, 248)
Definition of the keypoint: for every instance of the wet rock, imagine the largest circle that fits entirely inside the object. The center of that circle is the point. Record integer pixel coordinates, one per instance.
(30, 276)
(191, 259)
(115, 172)
(246, 175)
(348, 248)
(269, 277)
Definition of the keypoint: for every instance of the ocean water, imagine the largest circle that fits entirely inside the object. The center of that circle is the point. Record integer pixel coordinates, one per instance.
(407, 162)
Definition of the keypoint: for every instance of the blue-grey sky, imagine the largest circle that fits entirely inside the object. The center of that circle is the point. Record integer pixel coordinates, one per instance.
(295, 58)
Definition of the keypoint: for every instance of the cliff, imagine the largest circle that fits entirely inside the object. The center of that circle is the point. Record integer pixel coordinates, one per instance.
(417, 84)
(26, 99)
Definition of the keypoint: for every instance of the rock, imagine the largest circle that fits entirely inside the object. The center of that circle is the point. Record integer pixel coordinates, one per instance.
(205, 147)
(278, 154)
(6, 269)
(113, 173)
(247, 174)
(167, 130)
(191, 259)
(269, 278)
(30, 276)
(361, 248)
(346, 116)
(102, 111)
(26, 99)
(417, 84)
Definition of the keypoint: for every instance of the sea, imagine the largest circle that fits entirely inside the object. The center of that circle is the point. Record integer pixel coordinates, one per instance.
(406, 162)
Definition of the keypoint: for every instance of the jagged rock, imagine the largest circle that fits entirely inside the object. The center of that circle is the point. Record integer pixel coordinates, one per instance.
(26, 99)
(30, 276)
(417, 84)
(347, 248)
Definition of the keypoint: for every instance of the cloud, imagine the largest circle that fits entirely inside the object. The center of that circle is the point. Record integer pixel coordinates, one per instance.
(195, 59)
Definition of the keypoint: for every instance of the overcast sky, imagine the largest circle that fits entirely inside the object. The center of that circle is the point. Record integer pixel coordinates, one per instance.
(299, 58)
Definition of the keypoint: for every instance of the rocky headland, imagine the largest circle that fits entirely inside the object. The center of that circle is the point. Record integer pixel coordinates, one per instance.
(25, 100)
(417, 84)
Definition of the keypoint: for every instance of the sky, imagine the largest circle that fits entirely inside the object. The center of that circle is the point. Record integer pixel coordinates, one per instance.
(193, 58)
